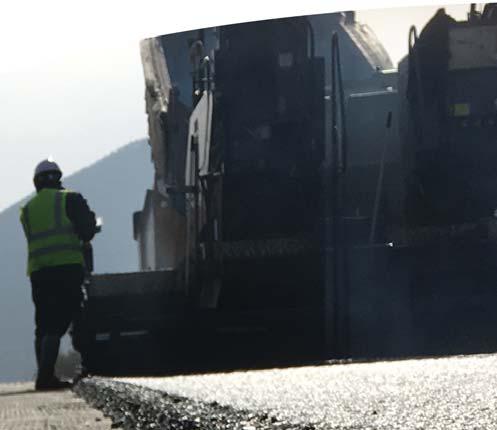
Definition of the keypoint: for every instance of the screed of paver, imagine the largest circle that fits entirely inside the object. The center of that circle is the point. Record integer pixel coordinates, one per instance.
(21, 407)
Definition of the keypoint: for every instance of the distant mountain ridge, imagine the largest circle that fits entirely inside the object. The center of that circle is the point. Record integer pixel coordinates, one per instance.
(114, 187)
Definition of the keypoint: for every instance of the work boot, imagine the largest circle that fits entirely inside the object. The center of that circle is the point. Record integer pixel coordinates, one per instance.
(49, 349)
(52, 384)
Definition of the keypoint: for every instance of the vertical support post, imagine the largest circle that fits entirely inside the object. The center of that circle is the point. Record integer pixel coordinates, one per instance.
(197, 211)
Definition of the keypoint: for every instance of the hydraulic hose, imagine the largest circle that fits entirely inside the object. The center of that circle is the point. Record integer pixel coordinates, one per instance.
(335, 58)
(336, 270)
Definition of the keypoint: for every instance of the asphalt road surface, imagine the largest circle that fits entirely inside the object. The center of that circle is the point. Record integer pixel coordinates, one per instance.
(455, 393)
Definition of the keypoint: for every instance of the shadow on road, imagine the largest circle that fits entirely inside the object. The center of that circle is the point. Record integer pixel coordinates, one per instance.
(18, 393)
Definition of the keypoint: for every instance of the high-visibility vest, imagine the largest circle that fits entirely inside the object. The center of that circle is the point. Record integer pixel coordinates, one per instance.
(49, 232)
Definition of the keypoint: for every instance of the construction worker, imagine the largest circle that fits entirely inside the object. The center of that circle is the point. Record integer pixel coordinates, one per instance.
(56, 223)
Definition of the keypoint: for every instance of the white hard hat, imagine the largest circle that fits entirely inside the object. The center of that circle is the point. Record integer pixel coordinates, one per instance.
(47, 166)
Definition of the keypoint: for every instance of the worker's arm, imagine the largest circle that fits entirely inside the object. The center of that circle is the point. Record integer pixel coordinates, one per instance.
(82, 218)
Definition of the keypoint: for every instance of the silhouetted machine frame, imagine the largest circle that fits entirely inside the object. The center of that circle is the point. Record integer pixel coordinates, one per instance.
(305, 233)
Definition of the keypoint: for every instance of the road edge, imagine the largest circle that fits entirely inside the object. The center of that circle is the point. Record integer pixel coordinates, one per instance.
(131, 406)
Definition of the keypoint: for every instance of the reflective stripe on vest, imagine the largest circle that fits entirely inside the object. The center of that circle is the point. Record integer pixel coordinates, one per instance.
(54, 248)
(50, 235)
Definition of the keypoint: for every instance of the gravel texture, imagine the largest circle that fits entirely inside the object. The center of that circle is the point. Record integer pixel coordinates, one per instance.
(455, 393)
(134, 407)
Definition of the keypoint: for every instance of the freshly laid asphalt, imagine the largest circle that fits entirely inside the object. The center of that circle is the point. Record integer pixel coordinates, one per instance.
(444, 393)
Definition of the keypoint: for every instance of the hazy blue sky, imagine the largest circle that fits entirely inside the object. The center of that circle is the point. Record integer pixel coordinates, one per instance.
(71, 82)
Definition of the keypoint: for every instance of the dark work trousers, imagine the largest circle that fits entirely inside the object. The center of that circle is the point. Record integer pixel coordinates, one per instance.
(57, 296)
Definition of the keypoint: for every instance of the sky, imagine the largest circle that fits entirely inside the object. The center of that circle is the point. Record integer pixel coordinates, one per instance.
(71, 83)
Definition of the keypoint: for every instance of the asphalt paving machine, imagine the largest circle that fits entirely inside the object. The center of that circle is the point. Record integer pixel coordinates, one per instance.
(297, 212)
(238, 196)
(448, 118)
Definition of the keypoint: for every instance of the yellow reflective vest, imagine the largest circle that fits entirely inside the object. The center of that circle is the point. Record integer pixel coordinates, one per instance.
(49, 232)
